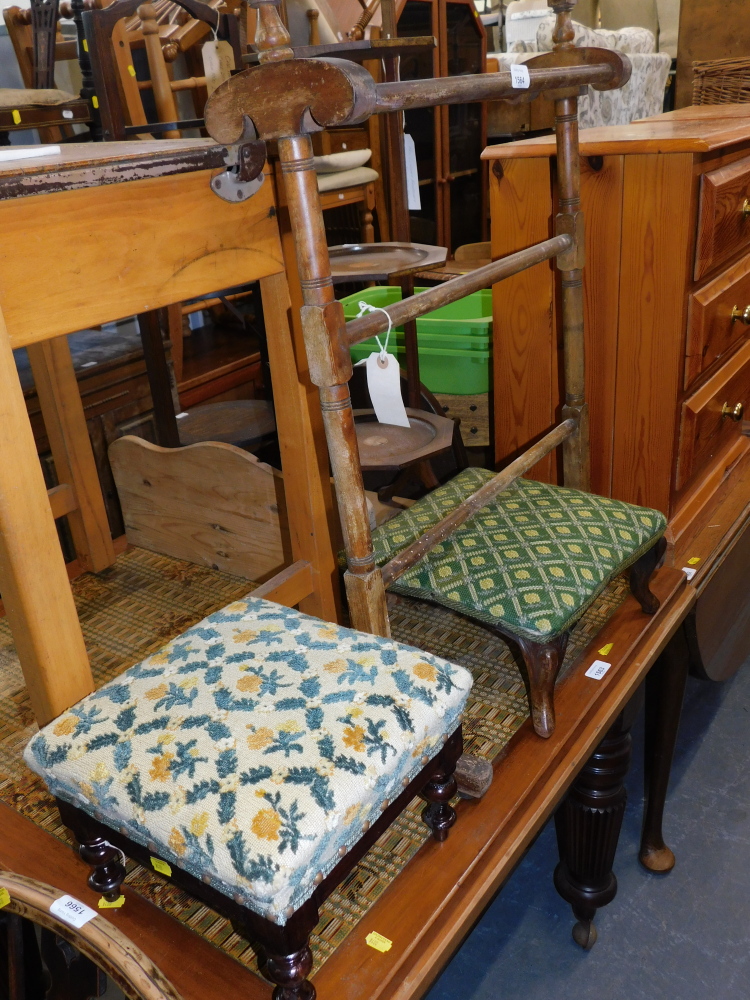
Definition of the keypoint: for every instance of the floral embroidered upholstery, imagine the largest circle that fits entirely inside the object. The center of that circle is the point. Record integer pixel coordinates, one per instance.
(530, 562)
(254, 747)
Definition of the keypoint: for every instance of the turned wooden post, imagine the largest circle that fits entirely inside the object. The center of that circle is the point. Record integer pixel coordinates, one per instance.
(327, 348)
(312, 17)
(163, 96)
(570, 220)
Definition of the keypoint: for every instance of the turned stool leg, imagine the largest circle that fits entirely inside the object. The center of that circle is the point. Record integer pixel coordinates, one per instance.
(588, 827)
(289, 973)
(665, 690)
(640, 576)
(438, 814)
(109, 871)
(543, 661)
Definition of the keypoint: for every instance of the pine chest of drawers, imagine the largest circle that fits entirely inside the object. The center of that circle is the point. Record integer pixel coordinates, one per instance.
(667, 292)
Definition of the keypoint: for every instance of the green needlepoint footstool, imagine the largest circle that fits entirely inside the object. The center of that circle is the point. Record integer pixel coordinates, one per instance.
(527, 565)
(254, 760)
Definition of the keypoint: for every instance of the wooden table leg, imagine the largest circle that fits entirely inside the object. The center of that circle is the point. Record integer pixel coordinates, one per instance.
(39, 605)
(159, 380)
(65, 423)
(304, 457)
(588, 823)
(665, 690)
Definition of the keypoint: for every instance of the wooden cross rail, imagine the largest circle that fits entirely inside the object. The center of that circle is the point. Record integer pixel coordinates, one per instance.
(408, 94)
(411, 555)
(450, 291)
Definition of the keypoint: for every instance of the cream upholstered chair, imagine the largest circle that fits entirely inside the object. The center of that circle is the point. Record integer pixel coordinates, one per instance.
(641, 97)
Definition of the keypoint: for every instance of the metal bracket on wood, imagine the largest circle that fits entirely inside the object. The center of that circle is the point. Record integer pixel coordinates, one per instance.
(244, 174)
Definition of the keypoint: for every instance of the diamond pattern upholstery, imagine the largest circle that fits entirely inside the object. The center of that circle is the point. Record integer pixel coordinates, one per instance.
(530, 562)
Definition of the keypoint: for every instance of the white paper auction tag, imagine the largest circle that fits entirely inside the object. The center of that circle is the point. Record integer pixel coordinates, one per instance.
(384, 385)
(598, 669)
(689, 571)
(519, 76)
(218, 63)
(72, 911)
(413, 198)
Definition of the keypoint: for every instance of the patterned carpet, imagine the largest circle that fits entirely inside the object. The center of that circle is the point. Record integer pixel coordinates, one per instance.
(144, 600)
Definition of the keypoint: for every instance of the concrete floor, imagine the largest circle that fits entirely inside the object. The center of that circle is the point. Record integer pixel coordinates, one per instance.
(681, 936)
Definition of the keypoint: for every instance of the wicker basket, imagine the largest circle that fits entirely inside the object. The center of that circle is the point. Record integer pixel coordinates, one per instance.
(721, 81)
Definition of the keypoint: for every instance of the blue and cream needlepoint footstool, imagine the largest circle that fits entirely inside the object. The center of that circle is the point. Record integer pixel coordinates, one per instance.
(527, 565)
(260, 754)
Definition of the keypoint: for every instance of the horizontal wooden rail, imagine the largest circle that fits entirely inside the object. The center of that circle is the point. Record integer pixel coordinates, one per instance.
(440, 531)
(456, 288)
(289, 586)
(62, 500)
(485, 86)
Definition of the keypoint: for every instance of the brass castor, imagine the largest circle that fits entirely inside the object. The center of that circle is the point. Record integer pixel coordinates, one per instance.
(584, 934)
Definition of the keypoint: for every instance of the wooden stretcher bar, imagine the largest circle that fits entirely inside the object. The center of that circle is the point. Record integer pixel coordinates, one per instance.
(450, 291)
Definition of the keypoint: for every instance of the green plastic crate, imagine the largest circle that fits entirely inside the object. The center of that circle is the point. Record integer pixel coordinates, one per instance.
(454, 341)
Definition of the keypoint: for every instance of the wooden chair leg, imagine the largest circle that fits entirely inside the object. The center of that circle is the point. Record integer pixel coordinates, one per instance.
(640, 576)
(438, 814)
(543, 661)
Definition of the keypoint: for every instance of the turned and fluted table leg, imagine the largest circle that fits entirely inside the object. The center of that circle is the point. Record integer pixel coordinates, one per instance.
(588, 823)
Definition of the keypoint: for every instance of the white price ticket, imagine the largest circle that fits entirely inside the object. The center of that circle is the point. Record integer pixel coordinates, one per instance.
(519, 77)
(598, 669)
(72, 911)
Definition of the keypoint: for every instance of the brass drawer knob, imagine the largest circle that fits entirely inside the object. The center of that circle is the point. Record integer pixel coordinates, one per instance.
(745, 208)
(733, 412)
(741, 314)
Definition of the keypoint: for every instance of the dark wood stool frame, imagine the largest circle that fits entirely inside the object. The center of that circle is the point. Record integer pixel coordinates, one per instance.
(284, 951)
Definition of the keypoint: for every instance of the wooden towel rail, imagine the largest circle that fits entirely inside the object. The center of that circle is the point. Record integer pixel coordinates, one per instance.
(286, 99)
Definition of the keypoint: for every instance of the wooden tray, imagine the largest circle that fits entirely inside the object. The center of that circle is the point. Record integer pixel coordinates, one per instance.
(380, 261)
(386, 446)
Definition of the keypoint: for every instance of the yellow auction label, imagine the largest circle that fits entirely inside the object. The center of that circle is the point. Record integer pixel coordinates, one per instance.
(379, 942)
(161, 866)
(131, 70)
(85, 45)
(694, 561)
(16, 115)
(4, 896)
(95, 101)
(606, 649)
(111, 904)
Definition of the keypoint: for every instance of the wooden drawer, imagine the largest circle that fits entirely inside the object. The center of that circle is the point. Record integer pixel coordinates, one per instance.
(723, 226)
(704, 429)
(711, 329)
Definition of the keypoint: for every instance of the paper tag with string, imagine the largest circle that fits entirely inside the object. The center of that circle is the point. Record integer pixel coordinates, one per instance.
(384, 378)
(413, 197)
(218, 62)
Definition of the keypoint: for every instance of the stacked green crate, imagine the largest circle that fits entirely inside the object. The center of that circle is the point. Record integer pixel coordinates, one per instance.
(454, 341)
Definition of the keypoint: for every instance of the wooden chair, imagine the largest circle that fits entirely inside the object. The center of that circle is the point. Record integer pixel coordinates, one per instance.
(99, 948)
(37, 45)
(114, 75)
(525, 559)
